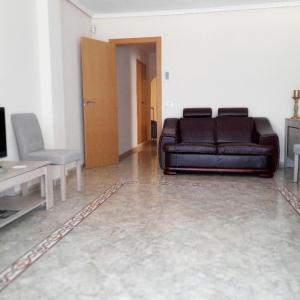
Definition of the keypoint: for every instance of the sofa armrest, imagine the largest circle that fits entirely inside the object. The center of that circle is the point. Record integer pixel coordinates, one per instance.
(170, 128)
(169, 135)
(265, 135)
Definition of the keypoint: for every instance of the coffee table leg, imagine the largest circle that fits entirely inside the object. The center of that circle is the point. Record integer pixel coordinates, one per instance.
(24, 187)
(43, 186)
(49, 187)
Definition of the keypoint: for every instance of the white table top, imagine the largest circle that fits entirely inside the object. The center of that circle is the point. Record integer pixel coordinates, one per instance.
(12, 169)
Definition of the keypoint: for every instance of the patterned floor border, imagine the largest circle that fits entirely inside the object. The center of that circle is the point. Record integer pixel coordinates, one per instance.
(291, 198)
(8, 275)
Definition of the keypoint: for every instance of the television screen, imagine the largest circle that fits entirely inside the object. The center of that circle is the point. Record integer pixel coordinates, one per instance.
(3, 150)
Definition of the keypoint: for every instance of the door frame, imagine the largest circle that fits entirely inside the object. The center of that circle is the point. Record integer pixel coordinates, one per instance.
(145, 90)
(149, 40)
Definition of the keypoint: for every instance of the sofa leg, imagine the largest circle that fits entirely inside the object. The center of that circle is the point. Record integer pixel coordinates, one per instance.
(266, 175)
(167, 172)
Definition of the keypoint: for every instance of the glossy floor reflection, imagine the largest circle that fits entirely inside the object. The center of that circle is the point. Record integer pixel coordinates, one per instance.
(161, 237)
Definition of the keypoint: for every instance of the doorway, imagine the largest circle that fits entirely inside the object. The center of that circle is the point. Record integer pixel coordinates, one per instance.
(139, 92)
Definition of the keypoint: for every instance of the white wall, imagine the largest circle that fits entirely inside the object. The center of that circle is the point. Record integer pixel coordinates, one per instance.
(19, 71)
(40, 68)
(57, 74)
(246, 58)
(75, 24)
(52, 113)
(127, 97)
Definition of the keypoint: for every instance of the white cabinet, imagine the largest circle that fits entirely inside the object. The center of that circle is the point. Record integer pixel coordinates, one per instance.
(292, 137)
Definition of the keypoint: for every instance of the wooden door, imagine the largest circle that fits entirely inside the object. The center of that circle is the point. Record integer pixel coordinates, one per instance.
(99, 102)
(143, 102)
(153, 97)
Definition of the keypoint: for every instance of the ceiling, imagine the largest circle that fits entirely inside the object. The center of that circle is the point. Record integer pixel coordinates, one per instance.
(144, 6)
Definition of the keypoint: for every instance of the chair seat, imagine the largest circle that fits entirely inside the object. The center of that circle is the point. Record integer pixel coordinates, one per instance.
(191, 148)
(245, 149)
(56, 157)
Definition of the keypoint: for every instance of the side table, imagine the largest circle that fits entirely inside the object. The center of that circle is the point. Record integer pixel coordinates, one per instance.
(292, 137)
(20, 173)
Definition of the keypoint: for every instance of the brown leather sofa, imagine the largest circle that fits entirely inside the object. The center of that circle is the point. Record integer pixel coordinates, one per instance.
(231, 142)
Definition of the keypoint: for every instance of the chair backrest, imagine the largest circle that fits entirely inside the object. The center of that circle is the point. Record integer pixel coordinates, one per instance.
(197, 130)
(28, 134)
(197, 126)
(234, 130)
(234, 125)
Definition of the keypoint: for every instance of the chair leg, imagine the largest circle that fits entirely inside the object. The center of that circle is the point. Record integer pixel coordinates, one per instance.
(78, 175)
(296, 167)
(63, 182)
(48, 185)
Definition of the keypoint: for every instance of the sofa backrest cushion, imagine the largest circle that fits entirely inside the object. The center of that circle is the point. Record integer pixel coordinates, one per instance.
(201, 112)
(233, 112)
(197, 130)
(234, 130)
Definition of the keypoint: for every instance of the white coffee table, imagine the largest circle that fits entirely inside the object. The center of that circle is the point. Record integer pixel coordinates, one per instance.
(20, 173)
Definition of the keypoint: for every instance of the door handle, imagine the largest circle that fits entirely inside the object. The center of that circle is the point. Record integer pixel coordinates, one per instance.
(88, 103)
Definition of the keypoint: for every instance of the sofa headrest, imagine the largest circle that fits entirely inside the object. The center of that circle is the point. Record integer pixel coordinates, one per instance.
(233, 112)
(203, 112)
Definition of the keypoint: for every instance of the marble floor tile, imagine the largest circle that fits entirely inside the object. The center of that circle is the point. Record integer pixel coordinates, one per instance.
(163, 237)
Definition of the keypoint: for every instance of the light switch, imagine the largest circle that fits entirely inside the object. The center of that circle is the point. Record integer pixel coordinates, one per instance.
(93, 29)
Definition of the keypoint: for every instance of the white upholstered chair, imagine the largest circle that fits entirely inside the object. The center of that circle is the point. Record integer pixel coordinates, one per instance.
(31, 148)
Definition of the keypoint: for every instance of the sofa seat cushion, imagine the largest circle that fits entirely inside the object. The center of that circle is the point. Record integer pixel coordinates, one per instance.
(191, 148)
(197, 130)
(234, 130)
(245, 149)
